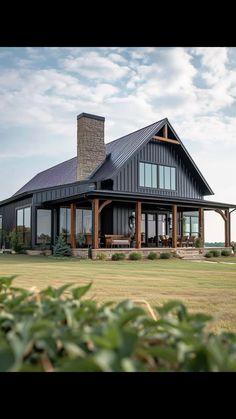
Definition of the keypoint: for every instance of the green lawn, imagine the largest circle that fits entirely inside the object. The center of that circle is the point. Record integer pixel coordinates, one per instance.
(208, 287)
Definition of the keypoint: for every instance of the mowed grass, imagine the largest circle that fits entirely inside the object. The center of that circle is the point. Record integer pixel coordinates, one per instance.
(203, 287)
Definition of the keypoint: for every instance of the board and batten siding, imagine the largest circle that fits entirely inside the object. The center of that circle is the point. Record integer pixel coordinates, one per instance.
(121, 220)
(163, 154)
(58, 193)
(8, 212)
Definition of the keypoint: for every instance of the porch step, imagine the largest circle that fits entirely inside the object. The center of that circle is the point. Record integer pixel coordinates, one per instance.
(190, 254)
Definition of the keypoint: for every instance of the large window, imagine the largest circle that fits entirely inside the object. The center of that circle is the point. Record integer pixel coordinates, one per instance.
(148, 175)
(23, 225)
(44, 226)
(65, 223)
(167, 177)
(83, 221)
(190, 225)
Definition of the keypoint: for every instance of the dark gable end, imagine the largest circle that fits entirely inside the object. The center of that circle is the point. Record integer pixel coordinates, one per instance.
(121, 151)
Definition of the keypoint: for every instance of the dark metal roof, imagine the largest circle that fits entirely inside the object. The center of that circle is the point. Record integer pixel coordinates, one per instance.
(118, 152)
(61, 174)
(121, 150)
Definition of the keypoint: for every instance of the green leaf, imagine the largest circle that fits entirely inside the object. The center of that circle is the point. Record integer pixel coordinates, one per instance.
(5, 282)
(80, 291)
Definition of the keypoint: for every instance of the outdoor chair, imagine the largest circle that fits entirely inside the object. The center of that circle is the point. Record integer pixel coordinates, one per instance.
(191, 240)
(184, 241)
(164, 240)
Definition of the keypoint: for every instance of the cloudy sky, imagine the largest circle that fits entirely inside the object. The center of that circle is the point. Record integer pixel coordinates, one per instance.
(43, 89)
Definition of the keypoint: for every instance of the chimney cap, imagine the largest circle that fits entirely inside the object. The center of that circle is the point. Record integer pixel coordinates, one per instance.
(91, 116)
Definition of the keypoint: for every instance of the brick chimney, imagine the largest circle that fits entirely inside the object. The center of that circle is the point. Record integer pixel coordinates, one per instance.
(91, 150)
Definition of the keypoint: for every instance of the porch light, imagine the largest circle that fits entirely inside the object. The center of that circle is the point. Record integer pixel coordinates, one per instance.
(131, 221)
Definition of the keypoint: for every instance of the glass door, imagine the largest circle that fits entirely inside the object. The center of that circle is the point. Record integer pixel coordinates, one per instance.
(162, 227)
(151, 230)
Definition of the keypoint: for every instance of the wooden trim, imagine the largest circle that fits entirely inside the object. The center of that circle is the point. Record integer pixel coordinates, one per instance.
(95, 207)
(201, 224)
(104, 204)
(219, 211)
(165, 131)
(167, 140)
(138, 225)
(72, 225)
(174, 226)
(227, 228)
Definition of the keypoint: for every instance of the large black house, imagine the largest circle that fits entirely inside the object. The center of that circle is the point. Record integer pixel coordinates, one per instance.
(145, 182)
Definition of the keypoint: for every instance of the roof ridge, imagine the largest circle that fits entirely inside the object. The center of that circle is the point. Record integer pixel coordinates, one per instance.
(136, 131)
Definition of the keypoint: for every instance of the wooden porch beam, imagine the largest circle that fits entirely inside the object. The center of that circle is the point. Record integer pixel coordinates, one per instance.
(219, 211)
(201, 224)
(72, 225)
(104, 204)
(167, 140)
(95, 208)
(174, 226)
(165, 131)
(138, 224)
(227, 228)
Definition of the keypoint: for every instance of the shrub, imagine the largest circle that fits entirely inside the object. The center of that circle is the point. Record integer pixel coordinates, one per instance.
(208, 255)
(152, 255)
(14, 241)
(198, 242)
(65, 333)
(101, 256)
(165, 255)
(225, 253)
(61, 248)
(215, 253)
(118, 256)
(135, 256)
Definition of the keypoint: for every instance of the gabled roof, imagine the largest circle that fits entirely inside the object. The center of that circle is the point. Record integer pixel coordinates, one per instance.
(118, 153)
(61, 174)
(121, 150)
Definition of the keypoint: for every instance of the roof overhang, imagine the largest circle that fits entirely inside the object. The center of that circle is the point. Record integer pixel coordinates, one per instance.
(133, 197)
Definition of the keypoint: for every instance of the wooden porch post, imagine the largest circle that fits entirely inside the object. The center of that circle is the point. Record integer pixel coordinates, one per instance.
(201, 224)
(138, 225)
(174, 226)
(227, 228)
(72, 225)
(95, 207)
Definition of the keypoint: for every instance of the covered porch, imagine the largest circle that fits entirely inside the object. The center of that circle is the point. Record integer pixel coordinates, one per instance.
(143, 223)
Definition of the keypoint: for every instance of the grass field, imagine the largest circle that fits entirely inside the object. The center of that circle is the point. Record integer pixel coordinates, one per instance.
(208, 287)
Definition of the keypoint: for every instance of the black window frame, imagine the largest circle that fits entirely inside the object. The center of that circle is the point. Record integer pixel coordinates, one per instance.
(23, 208)
(67, 235)
(36, 225)
(175, 177)
(151, 164)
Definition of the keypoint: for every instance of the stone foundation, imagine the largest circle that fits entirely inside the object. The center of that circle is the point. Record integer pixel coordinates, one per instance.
(39, 252)
(146, 250)
(80, 253)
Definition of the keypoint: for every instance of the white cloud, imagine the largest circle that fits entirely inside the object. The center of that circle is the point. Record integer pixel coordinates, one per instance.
(93, 65)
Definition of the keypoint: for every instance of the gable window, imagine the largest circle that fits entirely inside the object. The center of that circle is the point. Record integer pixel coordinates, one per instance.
(167, 177)
(23, 225)
(148, 175)
(44, 226)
